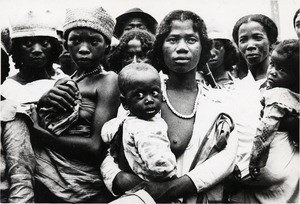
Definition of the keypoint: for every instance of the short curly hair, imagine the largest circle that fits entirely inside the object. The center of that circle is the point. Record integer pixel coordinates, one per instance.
(270, 29)
(115, 58)
(15, 52)
(164, 30)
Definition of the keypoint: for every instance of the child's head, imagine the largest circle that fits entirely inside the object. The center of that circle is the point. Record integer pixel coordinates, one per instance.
(88, 33)
(140, 87)
(284, 66)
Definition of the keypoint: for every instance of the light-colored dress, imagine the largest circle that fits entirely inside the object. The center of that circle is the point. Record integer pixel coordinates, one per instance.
(146, 146)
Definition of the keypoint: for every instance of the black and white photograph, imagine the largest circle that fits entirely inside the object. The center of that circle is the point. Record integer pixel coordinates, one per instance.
(83, 120)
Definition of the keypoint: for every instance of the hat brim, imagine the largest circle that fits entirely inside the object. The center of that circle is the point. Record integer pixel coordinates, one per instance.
(150, 21)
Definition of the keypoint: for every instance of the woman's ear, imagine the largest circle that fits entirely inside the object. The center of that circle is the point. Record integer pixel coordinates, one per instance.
(124, 102)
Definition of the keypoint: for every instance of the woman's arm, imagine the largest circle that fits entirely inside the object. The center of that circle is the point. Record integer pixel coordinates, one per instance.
(20, 160)
(117, 181)
(201, 178)
(216, 168)
(86, 149)
(61, 97)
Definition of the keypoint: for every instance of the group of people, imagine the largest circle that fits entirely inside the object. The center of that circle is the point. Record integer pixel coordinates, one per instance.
(169, 112)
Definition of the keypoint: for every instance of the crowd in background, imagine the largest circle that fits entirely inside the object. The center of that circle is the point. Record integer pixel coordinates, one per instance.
(131, 110)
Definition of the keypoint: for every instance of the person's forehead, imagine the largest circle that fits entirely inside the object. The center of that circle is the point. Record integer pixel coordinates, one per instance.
(278, 58)
(252, 26)
(135, 20)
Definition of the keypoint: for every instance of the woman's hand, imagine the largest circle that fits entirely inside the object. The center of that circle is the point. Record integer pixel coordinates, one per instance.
(61, 97)
(125, 181)
(169, 191)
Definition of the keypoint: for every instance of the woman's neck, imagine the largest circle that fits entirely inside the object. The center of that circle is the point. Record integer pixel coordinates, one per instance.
(31, 74)
(259, 71)
(220, 74)
(81, 71)
(182, 81)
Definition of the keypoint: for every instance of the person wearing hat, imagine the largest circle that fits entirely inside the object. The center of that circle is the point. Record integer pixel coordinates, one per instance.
(68, 158)
(34, 49)
(134, 18)
(223, 56)
(17, 158)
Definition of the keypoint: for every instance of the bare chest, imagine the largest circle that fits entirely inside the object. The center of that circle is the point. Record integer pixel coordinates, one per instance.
(179, 130)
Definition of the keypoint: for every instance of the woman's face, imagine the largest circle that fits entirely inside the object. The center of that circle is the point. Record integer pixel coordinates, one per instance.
(134, 53)
(217, 55)
(86, 47)
(182, 47)
(35, 51)
(253, 42)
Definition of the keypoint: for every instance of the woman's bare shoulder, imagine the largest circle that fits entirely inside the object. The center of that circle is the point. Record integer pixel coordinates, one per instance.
(107, 82)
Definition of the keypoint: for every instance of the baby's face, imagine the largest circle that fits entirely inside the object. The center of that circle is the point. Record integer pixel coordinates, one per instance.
(277, 75)
(144, 97)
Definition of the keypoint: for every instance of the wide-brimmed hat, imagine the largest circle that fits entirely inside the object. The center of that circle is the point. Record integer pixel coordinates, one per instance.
(218, 30)
(33, 23)
(131, 13)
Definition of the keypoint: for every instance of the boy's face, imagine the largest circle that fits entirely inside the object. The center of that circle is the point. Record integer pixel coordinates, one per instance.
(86, 47)
(277, 75)
(143, 98)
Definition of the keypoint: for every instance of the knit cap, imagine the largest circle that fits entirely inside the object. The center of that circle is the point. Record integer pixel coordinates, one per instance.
(33, 23)
(95, 18)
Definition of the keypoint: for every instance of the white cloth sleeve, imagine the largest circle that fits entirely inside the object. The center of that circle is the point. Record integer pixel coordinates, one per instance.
(216, 168)
(109, 170)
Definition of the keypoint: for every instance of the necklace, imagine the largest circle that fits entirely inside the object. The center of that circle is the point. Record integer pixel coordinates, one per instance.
(176, 112)
(86, 74)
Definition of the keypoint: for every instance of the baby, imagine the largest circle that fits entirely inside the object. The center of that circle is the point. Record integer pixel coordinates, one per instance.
(139, 143)
(280, 100)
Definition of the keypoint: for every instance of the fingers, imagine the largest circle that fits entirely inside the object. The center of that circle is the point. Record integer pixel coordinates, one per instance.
(62, 97)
